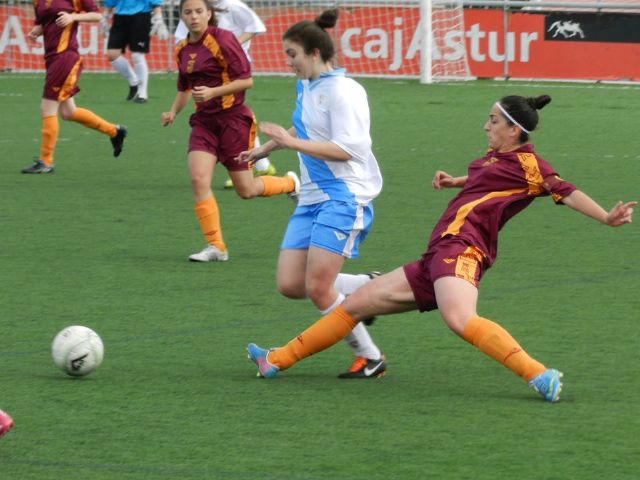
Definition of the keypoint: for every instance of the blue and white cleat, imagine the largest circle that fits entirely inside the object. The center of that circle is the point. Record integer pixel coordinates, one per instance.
(259, 356)
(548, 384)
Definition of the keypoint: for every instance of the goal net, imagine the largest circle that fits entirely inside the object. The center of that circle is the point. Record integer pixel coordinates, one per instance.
(382, 38)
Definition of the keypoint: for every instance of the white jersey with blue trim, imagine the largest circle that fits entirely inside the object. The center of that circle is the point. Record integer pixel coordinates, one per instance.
(334, 108)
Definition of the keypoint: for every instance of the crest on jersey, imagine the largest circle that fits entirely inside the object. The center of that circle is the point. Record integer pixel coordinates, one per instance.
(191, 62)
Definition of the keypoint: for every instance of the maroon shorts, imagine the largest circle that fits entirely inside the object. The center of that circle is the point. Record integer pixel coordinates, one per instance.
(224, 135)
(63, 73)
(451, 258)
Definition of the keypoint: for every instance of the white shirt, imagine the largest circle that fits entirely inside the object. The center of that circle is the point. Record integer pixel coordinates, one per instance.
(238, 18)
(334, 108)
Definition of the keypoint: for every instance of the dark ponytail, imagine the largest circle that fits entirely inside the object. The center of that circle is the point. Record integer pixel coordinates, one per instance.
(313, 35)
(327, 19)
(524, 110)
(538, 103)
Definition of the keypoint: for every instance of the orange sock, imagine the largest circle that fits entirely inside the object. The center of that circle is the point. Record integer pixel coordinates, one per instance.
(209, 219)
(276, 185)
(49, 138)
(91, 120)
(495, 341)
(327, 331)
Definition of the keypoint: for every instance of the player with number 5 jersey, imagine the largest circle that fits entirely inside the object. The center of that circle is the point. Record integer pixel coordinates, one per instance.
(214, 71)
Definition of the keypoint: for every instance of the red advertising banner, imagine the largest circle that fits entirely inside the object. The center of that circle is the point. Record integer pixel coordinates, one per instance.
(18, 53)
(530, 55)
(386, 41)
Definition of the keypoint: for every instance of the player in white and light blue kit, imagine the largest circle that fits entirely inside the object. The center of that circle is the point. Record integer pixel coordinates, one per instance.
(339, 179)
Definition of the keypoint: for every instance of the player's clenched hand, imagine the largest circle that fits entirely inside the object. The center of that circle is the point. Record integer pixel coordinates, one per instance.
(250, 155)
(202, 93)
(167, 118)
(64, 19)
(35, 33)
(280, 135)
(620, 214)
(442, 180)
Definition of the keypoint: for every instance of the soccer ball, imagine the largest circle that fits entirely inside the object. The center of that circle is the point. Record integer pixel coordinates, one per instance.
(77, 350)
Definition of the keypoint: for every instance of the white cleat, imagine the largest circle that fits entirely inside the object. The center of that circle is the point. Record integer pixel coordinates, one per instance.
(296, 189)
(210, 253)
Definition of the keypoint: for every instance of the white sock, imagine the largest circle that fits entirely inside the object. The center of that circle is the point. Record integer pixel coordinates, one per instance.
(123, 67)
(142, 71)
(362, 344)
(339, 299)
(263, 163)
(359, 339)
(347, 284)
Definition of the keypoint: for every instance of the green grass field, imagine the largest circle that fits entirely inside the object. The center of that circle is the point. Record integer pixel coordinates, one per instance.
(103, 242)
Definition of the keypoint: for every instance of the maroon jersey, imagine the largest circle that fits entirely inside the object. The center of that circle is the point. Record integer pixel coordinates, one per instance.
(56, 39)
(214, 60)
(499, 186)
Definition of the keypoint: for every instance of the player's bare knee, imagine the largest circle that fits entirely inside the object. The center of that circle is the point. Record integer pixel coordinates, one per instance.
(66, 114)
(199, 183)
(290, 290)
(319, 295)
(456, 320)
(245, 193)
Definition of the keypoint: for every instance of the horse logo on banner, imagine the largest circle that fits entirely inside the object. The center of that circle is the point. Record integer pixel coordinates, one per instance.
(567, 29)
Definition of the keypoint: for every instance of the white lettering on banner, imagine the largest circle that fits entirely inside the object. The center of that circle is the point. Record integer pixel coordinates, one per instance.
(345, 43)
(474, 35)
(455, 42)
(495, 41)
(14, 36)
(17, 39)
(379, 46)
(450, 47)
(92, 48)
(397, 45)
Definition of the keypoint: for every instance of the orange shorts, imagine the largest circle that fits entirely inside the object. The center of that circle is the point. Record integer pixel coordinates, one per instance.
(451, 258)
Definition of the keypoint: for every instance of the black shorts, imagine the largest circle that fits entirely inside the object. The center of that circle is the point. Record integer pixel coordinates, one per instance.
(132, 31)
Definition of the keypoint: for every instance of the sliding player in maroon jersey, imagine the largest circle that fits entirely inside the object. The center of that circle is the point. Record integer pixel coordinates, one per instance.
(214, 70)
(57, 21)
(462, 247)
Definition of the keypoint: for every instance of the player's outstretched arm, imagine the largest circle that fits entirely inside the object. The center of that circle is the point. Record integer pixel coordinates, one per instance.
(324, 150)
(442, 180)
(263, 150)
(620, 214)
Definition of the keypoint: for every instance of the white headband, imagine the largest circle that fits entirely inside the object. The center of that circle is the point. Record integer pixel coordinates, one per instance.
(513, 120)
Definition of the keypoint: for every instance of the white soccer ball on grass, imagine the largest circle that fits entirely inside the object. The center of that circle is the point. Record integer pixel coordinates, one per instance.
(77, 350)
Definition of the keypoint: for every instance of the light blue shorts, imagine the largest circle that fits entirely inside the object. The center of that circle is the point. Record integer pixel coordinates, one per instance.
(336, 226)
